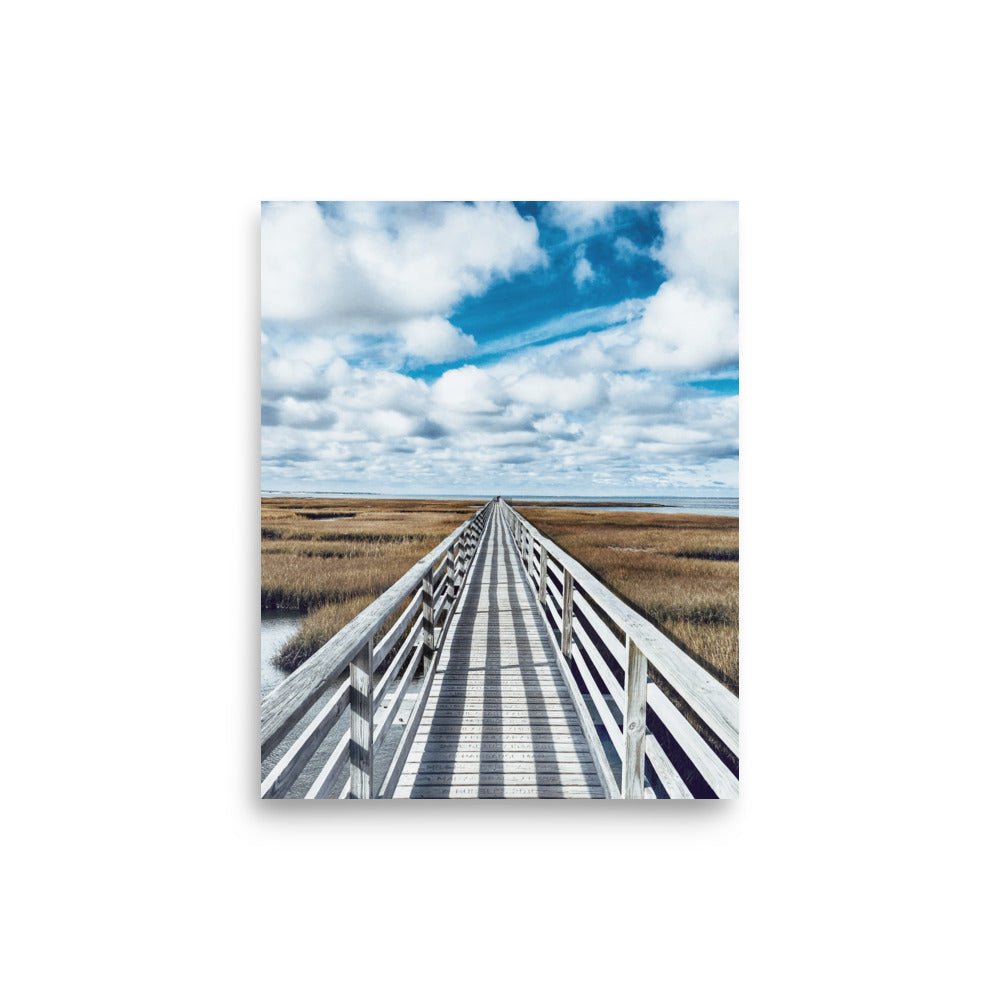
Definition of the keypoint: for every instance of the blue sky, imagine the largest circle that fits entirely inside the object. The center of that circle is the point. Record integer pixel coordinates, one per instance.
(514, 347)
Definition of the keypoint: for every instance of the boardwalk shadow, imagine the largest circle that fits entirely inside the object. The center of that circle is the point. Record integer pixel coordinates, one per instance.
(502, 724)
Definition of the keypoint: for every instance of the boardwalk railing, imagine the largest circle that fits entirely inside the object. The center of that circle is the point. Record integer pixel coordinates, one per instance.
(613, 678)
(426, 592)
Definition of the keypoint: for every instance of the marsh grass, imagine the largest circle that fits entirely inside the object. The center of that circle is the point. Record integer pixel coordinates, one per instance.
(333, 569)
(680, 570)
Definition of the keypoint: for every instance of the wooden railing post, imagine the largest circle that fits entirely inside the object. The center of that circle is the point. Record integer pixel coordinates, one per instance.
(567, 628)
(543, 572)
(427, 614)
(634, 725)
(450, 577)
(361, 724)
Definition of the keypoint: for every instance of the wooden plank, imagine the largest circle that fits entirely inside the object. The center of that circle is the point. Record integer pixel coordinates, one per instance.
(282, 776)
(485, 700)
(609, 679)
(385, 721)
(721, 780)
(665, 770)
(601, 705)
(500, 729)
(397, 662)
(410, 729)
(569, 756)
(501, 740)
(361, 724)
(615, 648)
(499, 778)
(500, 767)
(499, 792)
(327, 776)
(634, 758)
(389, 640)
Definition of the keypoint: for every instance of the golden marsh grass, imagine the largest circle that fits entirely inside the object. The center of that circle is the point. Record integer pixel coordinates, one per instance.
(680, 570)
(332, 558)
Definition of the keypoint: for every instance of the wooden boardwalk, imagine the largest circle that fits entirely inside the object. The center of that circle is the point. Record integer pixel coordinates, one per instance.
(498, 666)
(499, 721)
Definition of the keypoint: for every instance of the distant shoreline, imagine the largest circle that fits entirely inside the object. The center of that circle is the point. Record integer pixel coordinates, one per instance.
(589, 503)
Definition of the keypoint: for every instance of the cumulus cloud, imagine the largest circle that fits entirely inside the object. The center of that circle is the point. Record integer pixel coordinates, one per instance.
(550, 392)
(701, 245)
(683, 329)
(370, 266)
(469, 390)
(579, 217)
(435, 339)
(583, 271)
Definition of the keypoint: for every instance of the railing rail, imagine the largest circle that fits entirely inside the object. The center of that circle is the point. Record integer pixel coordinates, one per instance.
(659, 749)
(427, 590)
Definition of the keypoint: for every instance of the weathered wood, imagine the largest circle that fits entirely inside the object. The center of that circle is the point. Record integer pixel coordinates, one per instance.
(597, 700)
(500, 792)
(390, 638)
(720, 779)
(361, 724)
(567, 610)
(384, 722)
(543, 576)
(428, 619)
(284, 773)
(634, 725)
(410, 729)
(501, 777)
(593, 741)
(507, 693)
(672, 782)
(450, 561)
(327, 777)
(398, 660)
(593, 654)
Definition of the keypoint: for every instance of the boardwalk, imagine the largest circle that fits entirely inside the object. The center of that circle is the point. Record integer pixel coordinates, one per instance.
(499, 721)
(498, 666)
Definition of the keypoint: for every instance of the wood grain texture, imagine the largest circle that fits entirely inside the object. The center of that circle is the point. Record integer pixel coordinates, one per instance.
(634, 724)
(361, 754)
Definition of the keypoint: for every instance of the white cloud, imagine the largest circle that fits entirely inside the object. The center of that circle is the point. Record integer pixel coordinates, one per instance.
(607, 410)
(683, 329)
(626, 250)
(469, 390)
(547, 392)
(583, 271)
(435, 339)
(370, 266)
(701, 245)
(579, 217)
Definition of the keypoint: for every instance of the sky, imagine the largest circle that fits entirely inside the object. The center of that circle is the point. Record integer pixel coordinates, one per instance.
(541, 348)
